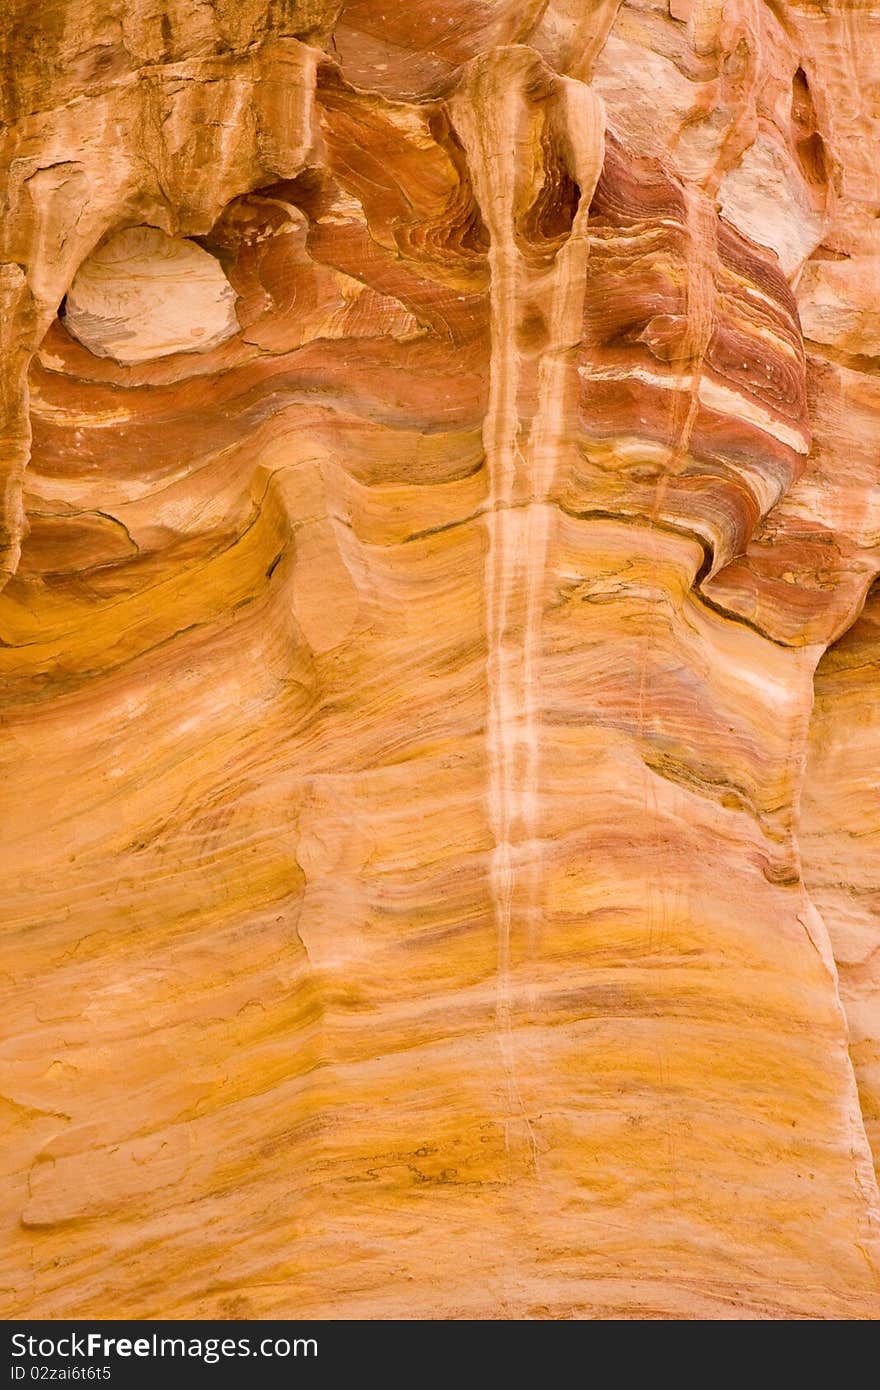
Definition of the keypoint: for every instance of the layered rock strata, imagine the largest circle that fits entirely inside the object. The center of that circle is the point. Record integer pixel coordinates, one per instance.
(440, 448)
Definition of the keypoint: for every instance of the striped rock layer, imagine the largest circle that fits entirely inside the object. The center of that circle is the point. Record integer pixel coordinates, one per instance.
(440, 491)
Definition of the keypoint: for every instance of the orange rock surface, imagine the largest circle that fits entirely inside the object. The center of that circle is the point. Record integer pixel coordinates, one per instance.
(441, 485)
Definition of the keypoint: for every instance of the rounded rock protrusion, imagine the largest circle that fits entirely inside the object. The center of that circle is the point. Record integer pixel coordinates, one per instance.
(143, 295)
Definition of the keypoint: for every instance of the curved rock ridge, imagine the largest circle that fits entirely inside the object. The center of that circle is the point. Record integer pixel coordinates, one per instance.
(440, 494)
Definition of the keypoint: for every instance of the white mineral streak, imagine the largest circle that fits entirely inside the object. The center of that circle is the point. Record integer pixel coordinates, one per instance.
(495, 115)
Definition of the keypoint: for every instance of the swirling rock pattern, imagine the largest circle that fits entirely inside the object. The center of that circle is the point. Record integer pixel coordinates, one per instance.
(428, 891)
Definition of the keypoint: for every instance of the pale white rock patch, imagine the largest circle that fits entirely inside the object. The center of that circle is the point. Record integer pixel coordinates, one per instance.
(839, 304)
(644, 94)
(764, 197)
(143, 295)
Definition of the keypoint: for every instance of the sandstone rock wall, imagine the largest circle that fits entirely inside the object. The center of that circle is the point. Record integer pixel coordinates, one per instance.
(429, 889)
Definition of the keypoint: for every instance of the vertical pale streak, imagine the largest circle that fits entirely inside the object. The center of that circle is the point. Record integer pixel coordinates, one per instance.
(495, 117)
(581, 119)
(488, 117)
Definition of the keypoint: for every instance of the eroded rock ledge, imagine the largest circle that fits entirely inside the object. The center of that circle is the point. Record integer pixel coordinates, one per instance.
(439, 448)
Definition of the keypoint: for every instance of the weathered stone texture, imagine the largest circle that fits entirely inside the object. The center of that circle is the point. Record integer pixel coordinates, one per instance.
(440, 463)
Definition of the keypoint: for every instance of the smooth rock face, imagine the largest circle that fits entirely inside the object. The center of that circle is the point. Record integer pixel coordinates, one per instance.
(840, 839)
(143, 295)
(439, 863)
